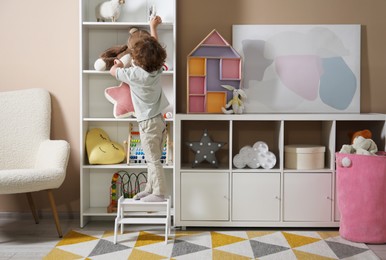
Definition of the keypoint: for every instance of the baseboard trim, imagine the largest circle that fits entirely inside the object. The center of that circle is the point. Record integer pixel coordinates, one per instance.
(42, 215)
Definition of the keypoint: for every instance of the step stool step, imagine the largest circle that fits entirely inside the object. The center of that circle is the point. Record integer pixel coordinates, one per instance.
(131, 205)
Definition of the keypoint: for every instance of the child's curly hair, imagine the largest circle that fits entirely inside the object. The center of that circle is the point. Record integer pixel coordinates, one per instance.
(148, 53)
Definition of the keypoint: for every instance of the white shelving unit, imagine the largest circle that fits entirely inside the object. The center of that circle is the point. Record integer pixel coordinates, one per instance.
(97, 111)
(277, 197)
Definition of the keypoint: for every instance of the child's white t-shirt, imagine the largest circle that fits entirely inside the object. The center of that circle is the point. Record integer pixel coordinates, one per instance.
(148, 97)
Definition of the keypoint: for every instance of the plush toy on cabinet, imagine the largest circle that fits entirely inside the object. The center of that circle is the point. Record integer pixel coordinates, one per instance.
(364, 133)
(361, 144)
(236, 104)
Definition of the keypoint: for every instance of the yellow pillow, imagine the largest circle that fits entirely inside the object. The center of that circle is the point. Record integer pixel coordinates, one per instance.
(101, 150)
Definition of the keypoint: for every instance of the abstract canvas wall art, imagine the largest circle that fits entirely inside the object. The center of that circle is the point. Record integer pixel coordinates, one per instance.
(300, 68)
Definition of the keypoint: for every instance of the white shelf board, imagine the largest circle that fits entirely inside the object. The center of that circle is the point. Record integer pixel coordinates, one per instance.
(325, 170)
(102, 211)
(285, 117)
(121, 166)
(258, 170)
(125, 25)
(112, 119)
(204, 168)
(106, 72)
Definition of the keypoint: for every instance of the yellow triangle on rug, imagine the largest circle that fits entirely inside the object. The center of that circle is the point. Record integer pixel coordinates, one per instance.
(218, 254)
(57, 253)
(74, 237)
(219, 239)
(146, 238)
(307, 256)
(298, 240)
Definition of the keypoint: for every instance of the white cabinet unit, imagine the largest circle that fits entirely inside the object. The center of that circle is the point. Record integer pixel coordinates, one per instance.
(97, 111)
(205, 196)
(256, 196)
(275, 197)
(307, 196)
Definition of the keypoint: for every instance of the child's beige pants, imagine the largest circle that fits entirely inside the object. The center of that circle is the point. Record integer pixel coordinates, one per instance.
(152, 135)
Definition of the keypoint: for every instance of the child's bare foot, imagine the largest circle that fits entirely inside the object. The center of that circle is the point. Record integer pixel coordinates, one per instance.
(141, 195)
(153, 198)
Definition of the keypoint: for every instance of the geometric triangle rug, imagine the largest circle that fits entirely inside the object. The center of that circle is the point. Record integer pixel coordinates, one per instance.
(314, 245)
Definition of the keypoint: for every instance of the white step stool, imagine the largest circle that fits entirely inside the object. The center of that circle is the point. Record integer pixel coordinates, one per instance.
(131, 205)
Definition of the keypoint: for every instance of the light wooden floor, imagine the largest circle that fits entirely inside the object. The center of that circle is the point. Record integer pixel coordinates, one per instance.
(23, 239)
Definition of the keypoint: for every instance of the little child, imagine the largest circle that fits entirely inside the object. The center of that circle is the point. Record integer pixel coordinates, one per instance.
(143, 77)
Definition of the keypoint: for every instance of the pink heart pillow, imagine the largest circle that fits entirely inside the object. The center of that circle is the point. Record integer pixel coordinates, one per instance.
(120, 96)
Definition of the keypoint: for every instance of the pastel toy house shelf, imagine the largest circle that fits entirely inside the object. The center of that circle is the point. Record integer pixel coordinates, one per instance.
(211, 64)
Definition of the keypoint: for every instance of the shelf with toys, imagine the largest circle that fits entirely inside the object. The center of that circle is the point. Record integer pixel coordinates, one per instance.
(103, 98)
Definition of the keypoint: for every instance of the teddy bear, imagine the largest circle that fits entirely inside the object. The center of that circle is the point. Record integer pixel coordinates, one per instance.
(361, 144)
(121, 52)
(106, 59)
(365, 133)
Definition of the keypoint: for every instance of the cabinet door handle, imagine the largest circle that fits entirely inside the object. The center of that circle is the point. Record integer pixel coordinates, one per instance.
(225, 197)
(277, 197)
(329, 198)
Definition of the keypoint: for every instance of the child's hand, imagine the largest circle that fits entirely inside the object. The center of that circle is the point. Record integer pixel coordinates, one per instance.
(155, 21)
(118, 63)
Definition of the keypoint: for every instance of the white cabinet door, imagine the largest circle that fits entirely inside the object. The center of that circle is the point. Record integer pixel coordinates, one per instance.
(307, 197)
(256, 196)
(204, 196)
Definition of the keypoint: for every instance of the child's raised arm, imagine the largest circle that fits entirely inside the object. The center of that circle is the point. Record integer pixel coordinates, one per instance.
(154, 22)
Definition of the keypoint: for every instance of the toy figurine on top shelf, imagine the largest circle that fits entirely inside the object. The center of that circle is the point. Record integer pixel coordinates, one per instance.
(109, 10)
(236, 104)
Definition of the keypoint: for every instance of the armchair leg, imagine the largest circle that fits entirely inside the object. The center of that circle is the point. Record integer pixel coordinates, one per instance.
(32, 207)
(54, 212)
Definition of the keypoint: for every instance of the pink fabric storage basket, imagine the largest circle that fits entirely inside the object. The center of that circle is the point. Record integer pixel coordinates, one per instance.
(361, 189)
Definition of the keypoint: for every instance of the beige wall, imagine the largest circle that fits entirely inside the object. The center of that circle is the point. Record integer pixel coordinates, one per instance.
(40, 40)
(40, 48)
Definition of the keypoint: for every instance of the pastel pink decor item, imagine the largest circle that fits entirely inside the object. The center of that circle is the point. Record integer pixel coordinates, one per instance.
(361, 195)
(120, 96)
(215, 39)
(300, 73)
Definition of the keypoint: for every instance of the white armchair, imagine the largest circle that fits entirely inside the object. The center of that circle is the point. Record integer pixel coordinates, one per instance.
(29, 160)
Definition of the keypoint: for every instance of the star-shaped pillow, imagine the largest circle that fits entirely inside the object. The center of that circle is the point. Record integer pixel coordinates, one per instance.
(120, 96)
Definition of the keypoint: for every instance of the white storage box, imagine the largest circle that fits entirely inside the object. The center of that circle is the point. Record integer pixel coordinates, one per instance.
(304, 157)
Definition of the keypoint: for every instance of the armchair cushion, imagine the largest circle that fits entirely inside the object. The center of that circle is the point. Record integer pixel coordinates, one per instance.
(53, 154)
(30, 180)
(29, 160)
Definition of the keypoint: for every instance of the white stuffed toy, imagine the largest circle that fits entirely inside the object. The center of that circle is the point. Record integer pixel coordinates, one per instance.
(360, 145)
(236, 104)
(109, 10)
